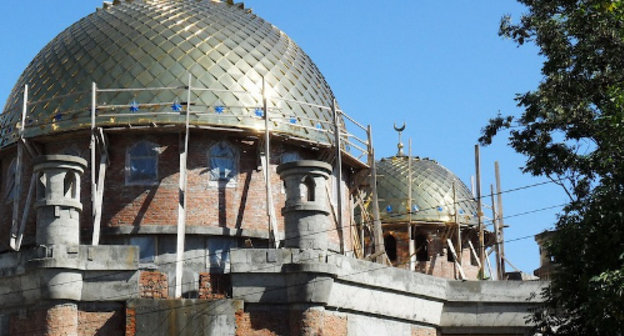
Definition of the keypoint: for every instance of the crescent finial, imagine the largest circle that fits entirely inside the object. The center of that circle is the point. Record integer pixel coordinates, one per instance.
(400, 144)
(399, 129)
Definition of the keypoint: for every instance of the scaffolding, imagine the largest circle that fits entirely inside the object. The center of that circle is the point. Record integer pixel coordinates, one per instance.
(182, 108)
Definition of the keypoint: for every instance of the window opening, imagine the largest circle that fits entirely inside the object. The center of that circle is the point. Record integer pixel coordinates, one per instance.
(142, 164)
(223, 159)
(307, 189)
(422, 247)
(391, 248)
(449, 254)
(69, 185)
(147, 248)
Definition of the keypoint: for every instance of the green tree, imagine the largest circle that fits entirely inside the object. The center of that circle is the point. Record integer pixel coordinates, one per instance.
(572, 131)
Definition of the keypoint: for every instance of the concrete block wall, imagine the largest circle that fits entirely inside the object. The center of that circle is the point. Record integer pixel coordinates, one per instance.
(181, 317)
(285, 292)
(80, 319)
(378, 298)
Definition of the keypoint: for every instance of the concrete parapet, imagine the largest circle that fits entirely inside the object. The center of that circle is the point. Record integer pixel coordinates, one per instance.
(60, 272)
(499, 307)
(310, 281)
(495, 291)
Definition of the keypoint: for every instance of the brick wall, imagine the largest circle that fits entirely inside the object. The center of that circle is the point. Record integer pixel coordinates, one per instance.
(438, 263)
(213, 286)
(241, 205)
(261, 323)
(153, 285)
(101, 319)
(335, 325)
(424, 331)
(236, 205)
(316, 322)
(130, 322)
(58, 320)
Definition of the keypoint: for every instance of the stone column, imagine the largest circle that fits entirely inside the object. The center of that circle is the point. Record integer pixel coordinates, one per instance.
(58, 232)
(308, 279)
(58, 199)
(306, 213)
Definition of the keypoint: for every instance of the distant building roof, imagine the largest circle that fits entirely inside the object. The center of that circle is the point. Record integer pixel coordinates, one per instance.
(432, 192)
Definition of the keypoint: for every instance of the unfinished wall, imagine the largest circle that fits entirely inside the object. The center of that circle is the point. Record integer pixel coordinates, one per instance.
(374, 298)
(233, 208)
(439, 263)
(82, 319)
(181, 317)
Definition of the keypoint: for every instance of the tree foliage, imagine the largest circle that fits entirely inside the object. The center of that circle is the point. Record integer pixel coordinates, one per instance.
(572, 131)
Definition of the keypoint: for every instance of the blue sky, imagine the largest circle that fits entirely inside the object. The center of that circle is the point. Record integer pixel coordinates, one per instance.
(439, 66)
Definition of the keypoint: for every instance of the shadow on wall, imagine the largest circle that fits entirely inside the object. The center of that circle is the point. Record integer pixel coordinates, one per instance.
(99, 321)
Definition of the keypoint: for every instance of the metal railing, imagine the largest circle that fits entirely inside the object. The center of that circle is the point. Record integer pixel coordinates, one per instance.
(168, 105)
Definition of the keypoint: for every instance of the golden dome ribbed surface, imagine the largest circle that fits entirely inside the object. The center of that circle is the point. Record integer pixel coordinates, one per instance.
(157, 44)
(432, 192)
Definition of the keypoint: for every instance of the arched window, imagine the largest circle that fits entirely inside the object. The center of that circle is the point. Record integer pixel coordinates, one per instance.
(223, 161)
(307, 189)
(9, 182)
(391, 247)
(142, 164)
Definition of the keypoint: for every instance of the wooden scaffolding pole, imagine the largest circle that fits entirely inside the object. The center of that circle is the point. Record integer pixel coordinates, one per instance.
(266, 165)
(499, 274)
(410, 235)
(99, 194)
(451, 249)
(17, 242)
(338, 170)
(500, 240)
(182, 200)
(380, 249)
(459, 239)
(17, 178)
(95, 238)
(480, 213)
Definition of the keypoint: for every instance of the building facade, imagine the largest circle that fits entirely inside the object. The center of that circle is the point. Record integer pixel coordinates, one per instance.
(182, 167)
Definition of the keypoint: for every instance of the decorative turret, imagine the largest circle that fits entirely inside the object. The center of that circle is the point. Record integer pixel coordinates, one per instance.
(306, 213)
(58, 199)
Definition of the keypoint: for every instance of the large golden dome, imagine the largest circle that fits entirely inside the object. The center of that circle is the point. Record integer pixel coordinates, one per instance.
(158, 44)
